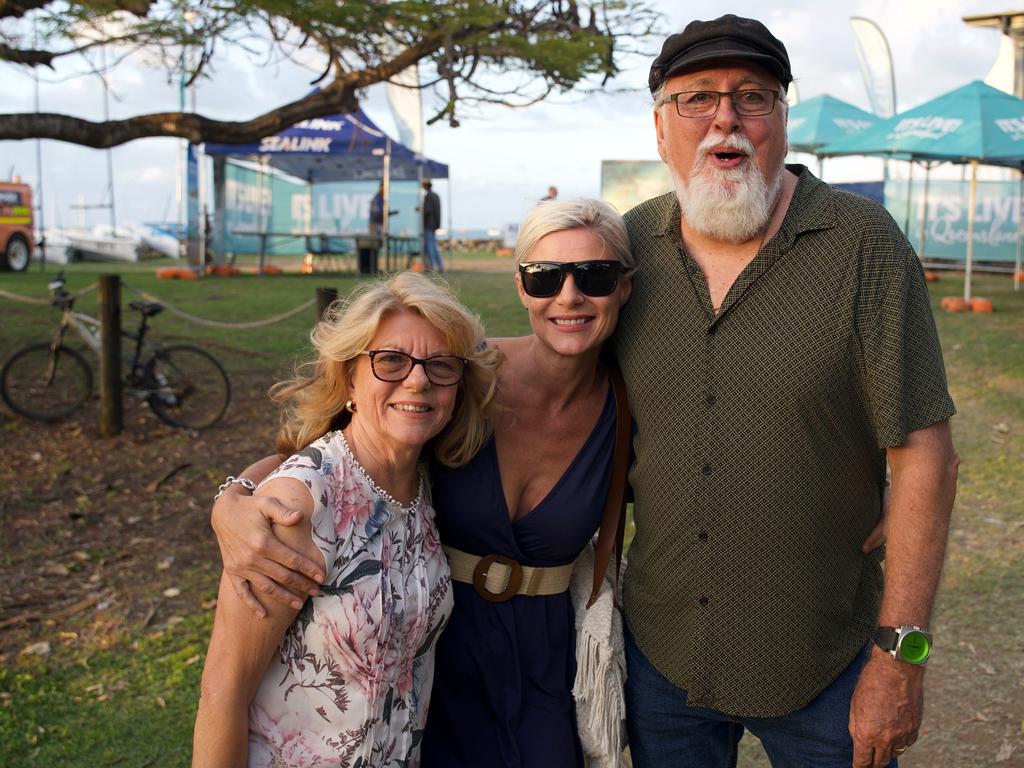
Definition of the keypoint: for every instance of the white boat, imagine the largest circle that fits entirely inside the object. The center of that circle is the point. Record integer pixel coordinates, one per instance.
(56, 244)
(102, 243)
(157, 239)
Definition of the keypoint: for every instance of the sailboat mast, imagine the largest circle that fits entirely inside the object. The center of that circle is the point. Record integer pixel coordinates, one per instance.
(40, 217)
(110, 151)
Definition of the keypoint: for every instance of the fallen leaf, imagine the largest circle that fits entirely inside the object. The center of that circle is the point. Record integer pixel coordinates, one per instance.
(172, 592)
(55, 569)
(988, 668)
(207, 605)
(1001, 427)
(36, 456)
(161, 703)
(192, 660)
(1005, 752)
(41, 648)
(175, 620)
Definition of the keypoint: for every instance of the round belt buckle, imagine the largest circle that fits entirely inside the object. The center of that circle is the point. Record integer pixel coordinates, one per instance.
(515, 578)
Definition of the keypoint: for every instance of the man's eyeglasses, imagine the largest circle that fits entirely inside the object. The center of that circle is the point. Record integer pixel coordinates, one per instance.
(542, 279)
(749, 102)
(391, 365)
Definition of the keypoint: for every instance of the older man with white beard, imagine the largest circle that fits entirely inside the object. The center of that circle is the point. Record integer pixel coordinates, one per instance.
(780, 351)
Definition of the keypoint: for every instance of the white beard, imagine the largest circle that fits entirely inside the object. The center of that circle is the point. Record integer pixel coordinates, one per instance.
(732, 205)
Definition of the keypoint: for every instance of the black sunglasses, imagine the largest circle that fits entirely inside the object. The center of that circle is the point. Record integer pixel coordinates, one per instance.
(542, 279)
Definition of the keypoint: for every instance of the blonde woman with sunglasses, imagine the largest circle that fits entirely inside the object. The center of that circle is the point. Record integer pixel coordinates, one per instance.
(532, 496)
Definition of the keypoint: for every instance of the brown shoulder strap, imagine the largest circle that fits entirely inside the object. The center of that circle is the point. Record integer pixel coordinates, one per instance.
(613, 520)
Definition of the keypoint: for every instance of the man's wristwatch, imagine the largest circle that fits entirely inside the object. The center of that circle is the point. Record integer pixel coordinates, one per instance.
(910, 644)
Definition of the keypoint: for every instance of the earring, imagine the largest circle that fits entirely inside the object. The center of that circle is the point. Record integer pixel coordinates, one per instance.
(350, 406)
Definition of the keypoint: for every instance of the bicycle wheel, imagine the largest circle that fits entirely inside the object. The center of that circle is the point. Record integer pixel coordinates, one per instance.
(188, 387)
(44, 385)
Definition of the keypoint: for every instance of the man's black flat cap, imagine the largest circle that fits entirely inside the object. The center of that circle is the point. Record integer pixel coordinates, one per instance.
(728, 37)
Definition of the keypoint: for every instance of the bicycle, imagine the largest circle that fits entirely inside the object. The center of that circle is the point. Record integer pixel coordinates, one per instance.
(184, 386)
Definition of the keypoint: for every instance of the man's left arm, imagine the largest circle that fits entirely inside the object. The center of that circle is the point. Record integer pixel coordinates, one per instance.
(885, 712)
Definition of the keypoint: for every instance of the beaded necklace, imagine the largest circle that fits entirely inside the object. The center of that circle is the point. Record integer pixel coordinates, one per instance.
(376, 488)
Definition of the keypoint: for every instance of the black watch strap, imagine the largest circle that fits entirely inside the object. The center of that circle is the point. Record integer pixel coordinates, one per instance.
(886, 637)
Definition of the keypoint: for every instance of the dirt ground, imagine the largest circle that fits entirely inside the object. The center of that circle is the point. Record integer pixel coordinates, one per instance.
(107, 529)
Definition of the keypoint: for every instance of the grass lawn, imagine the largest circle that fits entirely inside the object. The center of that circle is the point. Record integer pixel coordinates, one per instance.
(130, 702)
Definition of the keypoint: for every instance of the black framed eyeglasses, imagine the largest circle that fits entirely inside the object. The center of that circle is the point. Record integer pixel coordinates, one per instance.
(749, 102)
(598, 277)
(391, 365)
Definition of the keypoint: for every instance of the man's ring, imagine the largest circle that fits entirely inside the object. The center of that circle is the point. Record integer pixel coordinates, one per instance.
(898, 750)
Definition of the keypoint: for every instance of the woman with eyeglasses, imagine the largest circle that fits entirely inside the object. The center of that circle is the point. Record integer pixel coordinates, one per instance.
(530, 500)
(346, 679)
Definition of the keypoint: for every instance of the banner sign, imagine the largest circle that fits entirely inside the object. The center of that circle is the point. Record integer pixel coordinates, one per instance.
(192, 205)
(995, 218)
(262, 200)
(627, 183)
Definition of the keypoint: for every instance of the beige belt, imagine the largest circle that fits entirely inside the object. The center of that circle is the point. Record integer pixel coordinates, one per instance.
(497, 578)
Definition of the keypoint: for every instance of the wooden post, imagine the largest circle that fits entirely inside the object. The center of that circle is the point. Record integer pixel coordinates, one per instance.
(324, 298)
(111, 404)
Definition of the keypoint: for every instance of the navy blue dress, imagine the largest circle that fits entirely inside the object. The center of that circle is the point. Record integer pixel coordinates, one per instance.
(503, 675)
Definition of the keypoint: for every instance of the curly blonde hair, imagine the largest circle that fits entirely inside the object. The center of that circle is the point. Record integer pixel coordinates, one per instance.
(314, 401)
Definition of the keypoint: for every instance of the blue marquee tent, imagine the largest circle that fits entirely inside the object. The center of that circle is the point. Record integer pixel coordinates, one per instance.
(336, 148)
(339, 148)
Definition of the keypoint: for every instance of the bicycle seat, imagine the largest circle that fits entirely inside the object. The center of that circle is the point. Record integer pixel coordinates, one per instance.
(147, 308)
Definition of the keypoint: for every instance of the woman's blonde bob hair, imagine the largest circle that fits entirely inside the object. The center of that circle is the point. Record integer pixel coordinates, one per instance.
(314, 403)
(595, 216)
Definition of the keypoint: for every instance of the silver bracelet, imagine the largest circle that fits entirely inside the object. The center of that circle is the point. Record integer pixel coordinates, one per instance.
(245, 482)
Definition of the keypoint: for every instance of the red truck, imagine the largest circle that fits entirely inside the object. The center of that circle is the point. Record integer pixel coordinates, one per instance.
(15, 226)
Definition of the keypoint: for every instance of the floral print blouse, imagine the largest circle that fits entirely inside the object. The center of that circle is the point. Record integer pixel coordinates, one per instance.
(350, 682)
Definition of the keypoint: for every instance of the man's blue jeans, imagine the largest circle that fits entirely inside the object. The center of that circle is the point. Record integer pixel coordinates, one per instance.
(431, 252)
(666, 733)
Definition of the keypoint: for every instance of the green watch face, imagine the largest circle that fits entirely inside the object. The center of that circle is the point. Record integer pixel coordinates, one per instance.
(915, 647)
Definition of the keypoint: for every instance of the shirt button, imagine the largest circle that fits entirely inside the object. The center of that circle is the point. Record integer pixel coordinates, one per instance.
(703, 601)
(706, 470)
(703, 535)
(712, 399)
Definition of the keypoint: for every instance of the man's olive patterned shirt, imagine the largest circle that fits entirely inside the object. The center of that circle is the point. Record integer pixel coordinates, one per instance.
(760, 446)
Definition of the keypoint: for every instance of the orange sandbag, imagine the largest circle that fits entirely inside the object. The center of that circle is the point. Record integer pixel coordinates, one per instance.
(223, 270)
(931, 277)
(272, 270)
(176, 273)
(955, 304)
(981, 305)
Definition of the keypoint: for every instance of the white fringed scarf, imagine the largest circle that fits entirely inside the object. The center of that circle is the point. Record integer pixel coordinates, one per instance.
(600, 664)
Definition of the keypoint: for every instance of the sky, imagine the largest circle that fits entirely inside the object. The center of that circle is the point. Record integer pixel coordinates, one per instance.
(502, 160)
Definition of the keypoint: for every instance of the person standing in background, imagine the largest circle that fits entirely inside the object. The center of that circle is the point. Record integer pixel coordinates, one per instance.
(377, 212)
(431, 223)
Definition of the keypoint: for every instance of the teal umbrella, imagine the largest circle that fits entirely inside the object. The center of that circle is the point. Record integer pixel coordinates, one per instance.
(823, 120)
(975, 124)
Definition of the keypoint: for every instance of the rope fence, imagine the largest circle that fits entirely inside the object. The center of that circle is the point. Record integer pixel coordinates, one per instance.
(44, 302)
(218, 323)
(171, 308)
